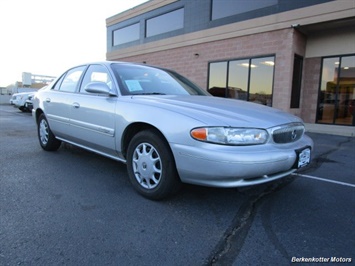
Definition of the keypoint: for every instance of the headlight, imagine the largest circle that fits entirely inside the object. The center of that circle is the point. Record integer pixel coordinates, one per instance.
(230, 136)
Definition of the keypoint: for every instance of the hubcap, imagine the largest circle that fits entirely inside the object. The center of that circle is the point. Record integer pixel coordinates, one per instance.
(43, 132)
(147, 166)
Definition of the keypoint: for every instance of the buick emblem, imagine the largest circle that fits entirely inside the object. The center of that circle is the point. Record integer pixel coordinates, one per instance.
(294, 134)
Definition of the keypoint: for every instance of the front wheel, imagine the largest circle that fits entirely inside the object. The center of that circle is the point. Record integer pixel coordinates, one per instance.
(46, 138)
(151, 166)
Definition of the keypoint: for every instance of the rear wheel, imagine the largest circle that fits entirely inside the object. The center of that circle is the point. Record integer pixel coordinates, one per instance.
(151, 166)
(46, 138)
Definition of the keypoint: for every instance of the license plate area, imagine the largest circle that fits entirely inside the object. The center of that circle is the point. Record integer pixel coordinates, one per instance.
(303, 157)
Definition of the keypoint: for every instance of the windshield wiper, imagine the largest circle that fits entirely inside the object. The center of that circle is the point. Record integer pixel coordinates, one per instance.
(149, 93)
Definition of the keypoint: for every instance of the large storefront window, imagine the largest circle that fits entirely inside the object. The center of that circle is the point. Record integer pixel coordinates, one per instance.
(218, 79)
(337, 91)
(246, 79)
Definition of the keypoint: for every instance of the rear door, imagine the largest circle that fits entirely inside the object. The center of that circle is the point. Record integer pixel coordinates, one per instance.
(56, 102)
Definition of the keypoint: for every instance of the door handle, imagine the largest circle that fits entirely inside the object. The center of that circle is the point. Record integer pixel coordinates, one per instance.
(76, 105)
(48, 100)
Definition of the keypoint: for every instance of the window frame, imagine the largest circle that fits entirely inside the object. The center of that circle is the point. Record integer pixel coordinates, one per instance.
(88, 70)
(249, 59)
(239, 13)
(161, 15)
(295, 99)
(125, 27)
(59, 83)
(318, 117)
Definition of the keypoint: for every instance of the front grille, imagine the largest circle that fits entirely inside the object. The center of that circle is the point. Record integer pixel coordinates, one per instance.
(288, 133)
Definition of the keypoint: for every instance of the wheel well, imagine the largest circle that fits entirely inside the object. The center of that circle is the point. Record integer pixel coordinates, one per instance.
(38, 113)
(131, 131)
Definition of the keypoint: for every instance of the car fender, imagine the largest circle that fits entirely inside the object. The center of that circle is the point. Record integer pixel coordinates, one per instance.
(130, 122)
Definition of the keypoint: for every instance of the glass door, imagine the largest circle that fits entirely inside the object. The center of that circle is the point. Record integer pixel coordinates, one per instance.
(344, 109)
(337, 91)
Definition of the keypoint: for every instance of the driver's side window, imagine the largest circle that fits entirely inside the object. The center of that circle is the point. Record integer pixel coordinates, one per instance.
(96, 73)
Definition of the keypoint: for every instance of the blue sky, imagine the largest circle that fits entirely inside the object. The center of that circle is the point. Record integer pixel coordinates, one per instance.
(47, 37)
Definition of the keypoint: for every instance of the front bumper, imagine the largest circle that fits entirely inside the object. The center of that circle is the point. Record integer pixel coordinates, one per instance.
(236, 166)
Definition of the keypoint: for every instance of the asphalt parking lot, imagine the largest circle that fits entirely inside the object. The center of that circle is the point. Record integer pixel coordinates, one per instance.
(73, 207)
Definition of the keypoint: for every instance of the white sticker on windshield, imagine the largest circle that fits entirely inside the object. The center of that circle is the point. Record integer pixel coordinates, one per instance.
(133, 85)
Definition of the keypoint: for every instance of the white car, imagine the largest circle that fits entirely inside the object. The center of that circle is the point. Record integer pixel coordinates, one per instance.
(19, 100)
(13, 98)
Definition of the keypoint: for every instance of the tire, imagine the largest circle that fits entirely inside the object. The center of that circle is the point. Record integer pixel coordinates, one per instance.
(46, 138)
(151, 166)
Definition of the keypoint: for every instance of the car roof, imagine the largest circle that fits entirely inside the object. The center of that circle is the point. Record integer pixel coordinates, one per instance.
(107, 63)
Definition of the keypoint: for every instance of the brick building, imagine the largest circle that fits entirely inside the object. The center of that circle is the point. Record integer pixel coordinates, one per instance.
(298, 56)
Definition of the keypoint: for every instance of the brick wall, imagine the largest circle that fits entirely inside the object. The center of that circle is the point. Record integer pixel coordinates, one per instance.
(281, 43)
(311, 76)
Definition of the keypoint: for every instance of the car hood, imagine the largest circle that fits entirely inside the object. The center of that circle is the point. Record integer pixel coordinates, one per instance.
(23, 93)
(220, 111)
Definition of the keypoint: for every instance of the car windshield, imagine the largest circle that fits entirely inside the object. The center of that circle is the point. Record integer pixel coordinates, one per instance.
(144, 80)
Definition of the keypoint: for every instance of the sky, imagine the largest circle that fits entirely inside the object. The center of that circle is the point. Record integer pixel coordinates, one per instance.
(46, 37)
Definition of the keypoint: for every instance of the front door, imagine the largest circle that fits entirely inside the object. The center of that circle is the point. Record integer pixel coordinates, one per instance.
(92, 116)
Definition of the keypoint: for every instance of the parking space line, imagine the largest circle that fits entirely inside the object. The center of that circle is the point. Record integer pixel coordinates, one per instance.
(326, 180)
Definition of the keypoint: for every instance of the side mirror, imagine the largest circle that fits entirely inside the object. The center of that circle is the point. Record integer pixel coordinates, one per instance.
(98, 88)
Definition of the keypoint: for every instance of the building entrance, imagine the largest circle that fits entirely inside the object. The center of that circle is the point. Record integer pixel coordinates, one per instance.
(337, 91)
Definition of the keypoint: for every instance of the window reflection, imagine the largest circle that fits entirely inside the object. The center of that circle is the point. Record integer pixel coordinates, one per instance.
(261, 79)
(225, 8)
(218, 79)
(126, 34)
(164, 23)
(245, 79)
(71, 79)
(95, 73)
(337, 91)
(238, 79)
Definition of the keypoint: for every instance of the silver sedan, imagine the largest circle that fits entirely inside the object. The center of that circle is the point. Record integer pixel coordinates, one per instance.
(167, 130)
